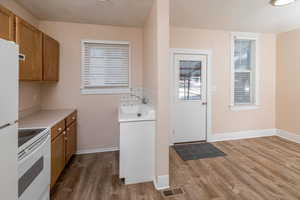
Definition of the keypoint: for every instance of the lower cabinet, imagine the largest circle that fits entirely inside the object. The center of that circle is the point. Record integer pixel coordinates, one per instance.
(63, 145)
(57, 157)
(71, 141)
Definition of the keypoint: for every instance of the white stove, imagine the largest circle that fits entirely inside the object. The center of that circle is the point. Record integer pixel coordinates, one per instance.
(34, 164)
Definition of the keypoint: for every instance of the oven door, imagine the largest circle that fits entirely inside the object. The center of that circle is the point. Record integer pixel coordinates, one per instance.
(34, 170)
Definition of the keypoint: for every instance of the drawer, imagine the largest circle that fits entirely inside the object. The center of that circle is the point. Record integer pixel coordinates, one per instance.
(71, 118)
(58, 129)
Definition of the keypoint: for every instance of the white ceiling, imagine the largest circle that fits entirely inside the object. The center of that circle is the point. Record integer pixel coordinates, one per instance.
(237, 15)
(234, 15)
(112, 12)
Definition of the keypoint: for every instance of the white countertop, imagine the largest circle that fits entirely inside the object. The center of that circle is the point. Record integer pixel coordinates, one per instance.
(44, 118)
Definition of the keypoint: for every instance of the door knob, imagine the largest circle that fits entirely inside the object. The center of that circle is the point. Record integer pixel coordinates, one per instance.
(204, 103)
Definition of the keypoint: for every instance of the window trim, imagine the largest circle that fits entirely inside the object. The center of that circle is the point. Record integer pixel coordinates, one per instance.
(104, 90)
(248, 36)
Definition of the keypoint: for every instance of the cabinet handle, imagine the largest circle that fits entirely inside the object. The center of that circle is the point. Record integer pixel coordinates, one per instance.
(68, 129)
(59, 129)
(22, 57)
(73, 118)
(64, 133)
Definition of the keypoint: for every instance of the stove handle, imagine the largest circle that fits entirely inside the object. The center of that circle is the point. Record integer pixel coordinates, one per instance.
(28, 151)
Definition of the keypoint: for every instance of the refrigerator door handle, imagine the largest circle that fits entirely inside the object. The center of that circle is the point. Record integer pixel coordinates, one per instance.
(4, 126)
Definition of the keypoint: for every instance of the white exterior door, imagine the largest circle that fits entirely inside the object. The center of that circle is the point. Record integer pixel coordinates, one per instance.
(190, 101)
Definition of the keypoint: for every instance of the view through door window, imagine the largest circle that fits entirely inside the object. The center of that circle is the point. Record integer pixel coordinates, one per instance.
(190, 82)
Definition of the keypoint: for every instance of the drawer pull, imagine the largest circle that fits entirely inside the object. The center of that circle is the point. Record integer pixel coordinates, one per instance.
(68, 129)
(73, 118)
(59, 129)
(64, 133)
(22, 57)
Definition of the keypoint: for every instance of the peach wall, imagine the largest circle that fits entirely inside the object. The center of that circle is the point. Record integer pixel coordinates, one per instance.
(156, 78)
(163, 106)
(288, 87)
(223, 118)
(98, 114)
(150, 81)
(29, 93)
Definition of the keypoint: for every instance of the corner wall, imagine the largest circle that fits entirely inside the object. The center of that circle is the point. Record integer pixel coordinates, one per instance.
(225, 120)
(150, 70)
(156, 83)
(98, 126)
(288, 82)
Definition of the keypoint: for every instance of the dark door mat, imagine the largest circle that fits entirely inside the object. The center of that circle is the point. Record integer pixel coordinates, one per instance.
(197, 151)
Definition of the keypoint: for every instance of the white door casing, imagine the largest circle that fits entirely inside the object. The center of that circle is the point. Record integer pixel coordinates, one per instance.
(191, 116)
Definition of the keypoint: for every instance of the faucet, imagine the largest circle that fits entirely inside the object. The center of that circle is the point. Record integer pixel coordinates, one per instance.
(144, 100)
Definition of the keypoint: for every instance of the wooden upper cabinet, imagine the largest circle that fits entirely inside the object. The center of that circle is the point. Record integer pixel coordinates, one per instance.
(30, 41)
(50, 59)
(39, 53)
(7, 27)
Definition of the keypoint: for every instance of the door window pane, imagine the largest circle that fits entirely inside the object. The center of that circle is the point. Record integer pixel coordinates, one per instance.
(190, 82)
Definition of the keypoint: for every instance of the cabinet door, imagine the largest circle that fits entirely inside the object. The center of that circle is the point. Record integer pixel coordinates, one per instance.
(30, 41)
(50, 58)
(57, 157)
(6, 24)
(71, 141)
(71, 118)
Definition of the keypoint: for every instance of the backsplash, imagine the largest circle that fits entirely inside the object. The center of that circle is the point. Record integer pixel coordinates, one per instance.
(151, 96)
(29, 98)
(134, 97)
(137, 95)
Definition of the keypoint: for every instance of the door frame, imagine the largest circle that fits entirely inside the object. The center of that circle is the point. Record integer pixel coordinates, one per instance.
(207, 53)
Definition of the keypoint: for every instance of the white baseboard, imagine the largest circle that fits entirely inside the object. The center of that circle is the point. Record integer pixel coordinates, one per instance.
(97, 150)
(129, 181)
(161, 182)
(288, 135)
(241, 135)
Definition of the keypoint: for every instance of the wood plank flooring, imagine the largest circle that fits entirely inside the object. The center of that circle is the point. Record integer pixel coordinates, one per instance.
(254, 169)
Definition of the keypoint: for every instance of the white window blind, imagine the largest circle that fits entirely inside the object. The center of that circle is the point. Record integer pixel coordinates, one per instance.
(105, 65)
(244, 69)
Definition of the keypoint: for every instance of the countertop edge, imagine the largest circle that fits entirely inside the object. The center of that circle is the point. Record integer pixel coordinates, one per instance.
(33, 120)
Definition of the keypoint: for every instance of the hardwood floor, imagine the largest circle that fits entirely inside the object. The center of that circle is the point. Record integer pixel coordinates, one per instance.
(254, 169)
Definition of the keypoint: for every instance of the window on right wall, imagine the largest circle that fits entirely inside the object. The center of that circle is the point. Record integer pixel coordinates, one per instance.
(244, 71)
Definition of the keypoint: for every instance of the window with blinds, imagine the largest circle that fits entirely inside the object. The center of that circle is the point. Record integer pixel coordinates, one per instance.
(105, 67)
(244, 70)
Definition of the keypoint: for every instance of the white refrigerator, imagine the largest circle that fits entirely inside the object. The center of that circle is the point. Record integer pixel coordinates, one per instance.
(9, 98)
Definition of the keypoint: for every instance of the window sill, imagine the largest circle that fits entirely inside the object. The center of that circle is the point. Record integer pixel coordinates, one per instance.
(103, 91)
(244, 107)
